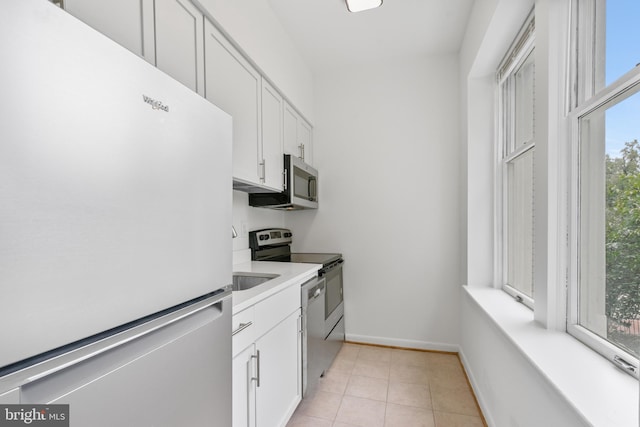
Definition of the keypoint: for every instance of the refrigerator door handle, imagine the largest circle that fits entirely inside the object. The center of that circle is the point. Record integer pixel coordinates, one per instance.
(111, 341)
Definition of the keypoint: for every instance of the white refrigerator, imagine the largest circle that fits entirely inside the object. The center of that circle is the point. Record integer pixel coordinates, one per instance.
(115, 231)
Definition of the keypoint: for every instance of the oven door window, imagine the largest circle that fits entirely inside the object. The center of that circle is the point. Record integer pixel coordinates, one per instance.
(304, 185)
(333, 296)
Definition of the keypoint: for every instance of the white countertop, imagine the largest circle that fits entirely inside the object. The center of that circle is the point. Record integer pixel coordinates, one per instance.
(290, 273)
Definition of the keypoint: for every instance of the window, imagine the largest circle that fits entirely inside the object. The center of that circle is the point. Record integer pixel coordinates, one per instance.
(516, 88)
(604, 309)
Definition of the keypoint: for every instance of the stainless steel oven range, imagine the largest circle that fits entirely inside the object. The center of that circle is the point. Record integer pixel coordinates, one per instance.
(274, 244)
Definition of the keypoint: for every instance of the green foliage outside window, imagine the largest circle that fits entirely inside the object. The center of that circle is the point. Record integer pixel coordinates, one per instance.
(623, 247)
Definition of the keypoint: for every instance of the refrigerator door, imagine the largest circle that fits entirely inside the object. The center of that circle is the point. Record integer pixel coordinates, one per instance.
(176, 375)
(115, 184)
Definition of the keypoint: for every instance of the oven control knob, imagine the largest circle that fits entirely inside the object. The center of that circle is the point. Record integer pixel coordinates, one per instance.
(287, 234)
(262, 237)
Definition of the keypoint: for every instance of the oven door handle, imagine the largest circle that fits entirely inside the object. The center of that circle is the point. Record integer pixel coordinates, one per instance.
(331, 266)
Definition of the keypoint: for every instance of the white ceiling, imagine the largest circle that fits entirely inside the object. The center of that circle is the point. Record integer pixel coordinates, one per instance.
(329, 36)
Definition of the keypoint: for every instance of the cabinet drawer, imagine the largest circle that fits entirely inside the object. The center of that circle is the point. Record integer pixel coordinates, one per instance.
(271, 311)
(243, 329)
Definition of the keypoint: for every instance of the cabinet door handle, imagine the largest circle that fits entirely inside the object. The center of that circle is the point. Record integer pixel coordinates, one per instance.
(241, 328)
(301, 146)
(301, 325)
(263, 170)
(257, 378)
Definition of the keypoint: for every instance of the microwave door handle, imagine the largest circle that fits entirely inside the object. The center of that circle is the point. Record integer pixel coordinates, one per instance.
(312, 195)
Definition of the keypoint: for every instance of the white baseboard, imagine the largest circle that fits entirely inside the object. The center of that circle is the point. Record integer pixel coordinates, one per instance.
(395, 342)
(476, 390)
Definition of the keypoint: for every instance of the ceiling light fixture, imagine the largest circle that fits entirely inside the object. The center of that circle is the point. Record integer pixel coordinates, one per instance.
(360, 5)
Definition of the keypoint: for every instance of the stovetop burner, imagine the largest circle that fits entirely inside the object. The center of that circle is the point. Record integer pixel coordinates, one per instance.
(324, 259)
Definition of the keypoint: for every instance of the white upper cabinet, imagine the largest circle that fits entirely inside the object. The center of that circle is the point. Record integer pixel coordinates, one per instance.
(272, 159)
(167, 33)
(127, 22)
(235, 86)
(175, 36)
(179, 44)
(305, 139)
(290, 131)
(297, 135)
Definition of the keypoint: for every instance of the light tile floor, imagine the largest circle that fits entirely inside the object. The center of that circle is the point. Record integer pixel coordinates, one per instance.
(382, 387)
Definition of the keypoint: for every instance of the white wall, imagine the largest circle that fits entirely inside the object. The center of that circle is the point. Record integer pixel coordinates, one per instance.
(512, 393)
(386, 148)
(247, 218)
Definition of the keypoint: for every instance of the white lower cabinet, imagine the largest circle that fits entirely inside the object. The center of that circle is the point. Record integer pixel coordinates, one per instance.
(278, 392)
(267, 373)
(244, 388)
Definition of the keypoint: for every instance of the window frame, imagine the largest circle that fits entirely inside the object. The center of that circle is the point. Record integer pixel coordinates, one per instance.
(589, 94)
(522, 47)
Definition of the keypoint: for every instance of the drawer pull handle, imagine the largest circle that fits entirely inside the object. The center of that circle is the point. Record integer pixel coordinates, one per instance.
(241, 328)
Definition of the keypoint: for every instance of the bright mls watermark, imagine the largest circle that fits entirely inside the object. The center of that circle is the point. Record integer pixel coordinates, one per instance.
(34, 415)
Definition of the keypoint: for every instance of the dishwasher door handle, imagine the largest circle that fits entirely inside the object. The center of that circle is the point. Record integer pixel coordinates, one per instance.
(313, 289)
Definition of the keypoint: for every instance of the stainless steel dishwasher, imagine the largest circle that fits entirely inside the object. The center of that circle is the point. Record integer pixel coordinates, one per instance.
(313, 343)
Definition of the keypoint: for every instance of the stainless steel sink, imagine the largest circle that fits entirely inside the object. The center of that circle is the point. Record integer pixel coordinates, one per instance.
(244, 281)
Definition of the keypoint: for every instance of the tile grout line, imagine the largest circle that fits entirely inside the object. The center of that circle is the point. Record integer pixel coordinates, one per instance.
(350, 373)
(433, 409)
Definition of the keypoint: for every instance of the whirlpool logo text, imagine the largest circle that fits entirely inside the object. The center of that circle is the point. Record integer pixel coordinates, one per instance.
(157, 105)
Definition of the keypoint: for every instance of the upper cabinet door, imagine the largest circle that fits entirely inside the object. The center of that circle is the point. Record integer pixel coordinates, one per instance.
(127, 22)
(291, 144)
(297, 135)
(234, 86)
(305, 139)
(179, 46)
(273, 162)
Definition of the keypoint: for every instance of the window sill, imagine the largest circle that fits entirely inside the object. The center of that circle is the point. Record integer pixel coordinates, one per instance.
(601, 393)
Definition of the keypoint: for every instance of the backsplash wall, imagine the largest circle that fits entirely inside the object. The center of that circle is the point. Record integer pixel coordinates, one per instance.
(247, 218)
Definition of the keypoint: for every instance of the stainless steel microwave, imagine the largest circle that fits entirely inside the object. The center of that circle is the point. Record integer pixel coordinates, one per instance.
(300, 188)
